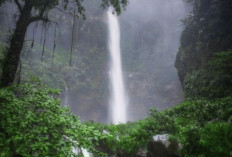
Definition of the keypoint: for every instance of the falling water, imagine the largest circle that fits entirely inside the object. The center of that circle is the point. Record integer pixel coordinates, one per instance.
(118, 102)
(66, 97)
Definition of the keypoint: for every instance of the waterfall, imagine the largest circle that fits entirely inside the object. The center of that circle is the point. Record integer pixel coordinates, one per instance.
(118, 101)
(66, 97)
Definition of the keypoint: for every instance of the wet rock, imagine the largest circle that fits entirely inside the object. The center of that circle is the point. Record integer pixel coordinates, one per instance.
(160, 146)
(103, 147)
(141, 153)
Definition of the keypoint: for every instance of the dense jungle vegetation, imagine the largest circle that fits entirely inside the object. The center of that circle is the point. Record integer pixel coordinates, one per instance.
(34, 122)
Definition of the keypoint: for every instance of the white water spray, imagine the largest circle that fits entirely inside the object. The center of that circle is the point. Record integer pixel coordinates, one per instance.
(118, 101)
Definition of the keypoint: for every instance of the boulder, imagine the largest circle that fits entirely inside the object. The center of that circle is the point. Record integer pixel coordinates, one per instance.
(141, 153)
(160, 146)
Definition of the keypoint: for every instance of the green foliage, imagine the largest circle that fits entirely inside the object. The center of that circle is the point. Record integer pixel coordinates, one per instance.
(212, 82)
(222, 63)
(117, 4)
(194, 122)
(34, 123)
(201, 41)
(194, 118)
(1, 57)
(199, 126)
(220, 143)
(127, 138)
(40, 5)
(202, 127)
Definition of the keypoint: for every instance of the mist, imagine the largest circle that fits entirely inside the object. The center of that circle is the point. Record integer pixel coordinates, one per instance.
(150, 40)
(150, 32)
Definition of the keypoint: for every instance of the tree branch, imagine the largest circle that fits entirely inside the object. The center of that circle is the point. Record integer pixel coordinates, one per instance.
(43, 9)
(39, 18)
(19, 5)
(44, 19)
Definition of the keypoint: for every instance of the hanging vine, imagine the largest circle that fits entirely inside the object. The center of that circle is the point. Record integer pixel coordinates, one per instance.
(70, 63)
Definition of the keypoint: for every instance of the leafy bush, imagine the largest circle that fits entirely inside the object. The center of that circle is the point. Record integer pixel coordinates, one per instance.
(215, 139)
(202, 124)
(215, 81)
(203, 127)
(34, 123)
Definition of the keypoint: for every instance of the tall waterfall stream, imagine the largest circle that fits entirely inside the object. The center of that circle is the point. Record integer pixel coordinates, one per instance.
(118, 99)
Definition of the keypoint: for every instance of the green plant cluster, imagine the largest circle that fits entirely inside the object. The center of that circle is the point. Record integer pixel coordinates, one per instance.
(34, 123)
(215, 80)
(202, 127)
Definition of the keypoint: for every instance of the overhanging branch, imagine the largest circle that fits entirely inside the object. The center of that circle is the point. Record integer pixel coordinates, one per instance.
(39, 18)
(43, 9)
(43, 19)
(19, 5)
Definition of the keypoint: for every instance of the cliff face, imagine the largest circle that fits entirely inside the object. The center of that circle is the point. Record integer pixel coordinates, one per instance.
(207, 33)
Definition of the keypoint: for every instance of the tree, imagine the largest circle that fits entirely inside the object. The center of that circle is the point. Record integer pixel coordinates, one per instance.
(37, 10)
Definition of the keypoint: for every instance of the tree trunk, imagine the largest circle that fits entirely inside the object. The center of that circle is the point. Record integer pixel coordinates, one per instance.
(12, 58)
